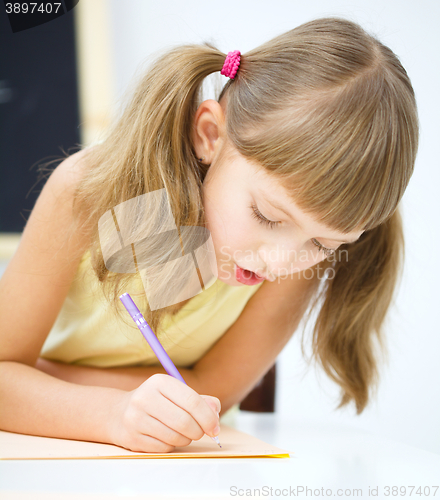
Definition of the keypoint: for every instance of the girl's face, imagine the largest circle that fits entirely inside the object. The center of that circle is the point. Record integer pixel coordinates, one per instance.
(255, 225)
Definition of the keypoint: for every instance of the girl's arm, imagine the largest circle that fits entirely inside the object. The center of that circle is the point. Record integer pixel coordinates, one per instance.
(32, 291)
(161, 414)
(125, 378)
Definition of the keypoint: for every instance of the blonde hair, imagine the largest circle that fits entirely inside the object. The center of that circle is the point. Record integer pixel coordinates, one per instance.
(327, 109)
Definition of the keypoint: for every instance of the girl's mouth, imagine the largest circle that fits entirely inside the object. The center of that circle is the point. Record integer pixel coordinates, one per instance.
(246, 277)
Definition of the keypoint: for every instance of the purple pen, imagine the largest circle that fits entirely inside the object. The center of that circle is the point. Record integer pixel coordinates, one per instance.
(153, 341)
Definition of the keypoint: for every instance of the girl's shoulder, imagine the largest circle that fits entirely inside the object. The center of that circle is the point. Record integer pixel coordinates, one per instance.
(71, 170)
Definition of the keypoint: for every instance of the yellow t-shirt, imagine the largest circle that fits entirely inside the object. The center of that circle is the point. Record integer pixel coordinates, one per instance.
(88, 332)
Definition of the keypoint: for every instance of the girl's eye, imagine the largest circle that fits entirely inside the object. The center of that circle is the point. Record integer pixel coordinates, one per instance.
(327, 251)
(261, 219)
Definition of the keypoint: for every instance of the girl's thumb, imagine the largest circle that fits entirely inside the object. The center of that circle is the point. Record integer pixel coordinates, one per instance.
(213, 402)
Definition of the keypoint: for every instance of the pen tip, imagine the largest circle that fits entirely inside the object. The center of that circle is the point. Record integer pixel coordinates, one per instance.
(217, 441)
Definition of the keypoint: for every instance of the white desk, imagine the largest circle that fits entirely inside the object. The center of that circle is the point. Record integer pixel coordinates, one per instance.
(328, 458)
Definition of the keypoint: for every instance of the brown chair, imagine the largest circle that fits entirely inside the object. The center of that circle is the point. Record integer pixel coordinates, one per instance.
(262, 397)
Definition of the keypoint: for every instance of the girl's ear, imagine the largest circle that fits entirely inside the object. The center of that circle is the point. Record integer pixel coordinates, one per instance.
(208, 130)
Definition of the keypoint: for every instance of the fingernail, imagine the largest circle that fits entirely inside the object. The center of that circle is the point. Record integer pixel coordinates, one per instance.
(216, 431)
(218, 414)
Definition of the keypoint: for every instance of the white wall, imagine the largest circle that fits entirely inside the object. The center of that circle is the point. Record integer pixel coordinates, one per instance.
(407, 407)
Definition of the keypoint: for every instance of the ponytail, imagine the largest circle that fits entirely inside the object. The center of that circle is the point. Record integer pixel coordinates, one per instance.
(355, 302)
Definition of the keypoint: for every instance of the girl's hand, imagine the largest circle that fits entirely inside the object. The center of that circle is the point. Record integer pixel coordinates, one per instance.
(161, 414)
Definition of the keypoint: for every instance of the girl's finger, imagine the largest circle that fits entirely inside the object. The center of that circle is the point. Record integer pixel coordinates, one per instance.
(196, 408)
(148, 444)
(152, 427)
(176, 418)
(213, 402)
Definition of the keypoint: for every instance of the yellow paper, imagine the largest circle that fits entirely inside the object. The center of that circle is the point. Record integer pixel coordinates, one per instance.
(235, 444)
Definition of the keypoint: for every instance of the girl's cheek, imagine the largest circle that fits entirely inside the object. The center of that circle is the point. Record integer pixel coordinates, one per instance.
(304, 260)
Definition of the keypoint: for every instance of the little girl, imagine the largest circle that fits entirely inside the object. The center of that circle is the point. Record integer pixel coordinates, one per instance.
(296, 171)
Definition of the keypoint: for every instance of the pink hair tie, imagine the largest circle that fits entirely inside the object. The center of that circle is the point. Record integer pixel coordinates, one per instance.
(232, 62)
